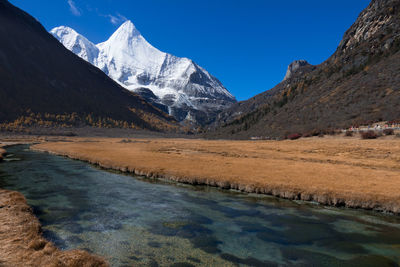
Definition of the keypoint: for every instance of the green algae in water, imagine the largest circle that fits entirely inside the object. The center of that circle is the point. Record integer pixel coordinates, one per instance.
(134, 222)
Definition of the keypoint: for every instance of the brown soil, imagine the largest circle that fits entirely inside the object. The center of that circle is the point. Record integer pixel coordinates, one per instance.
(333, 171)
(21, 241)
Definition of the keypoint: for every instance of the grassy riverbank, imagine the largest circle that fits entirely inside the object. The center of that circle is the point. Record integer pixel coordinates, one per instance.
(333, 171)
(21, 240)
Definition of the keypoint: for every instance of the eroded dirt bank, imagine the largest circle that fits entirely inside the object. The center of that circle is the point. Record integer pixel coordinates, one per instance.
(332, 171)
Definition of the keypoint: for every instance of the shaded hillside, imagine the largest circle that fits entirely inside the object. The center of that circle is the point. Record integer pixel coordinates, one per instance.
(43, 81)
(359, 83)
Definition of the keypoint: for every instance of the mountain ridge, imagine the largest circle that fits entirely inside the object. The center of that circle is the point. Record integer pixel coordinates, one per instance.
(42, 82)
(357, 84)
(179, 83)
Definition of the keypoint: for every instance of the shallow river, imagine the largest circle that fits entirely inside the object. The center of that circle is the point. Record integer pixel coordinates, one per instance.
(134, 221)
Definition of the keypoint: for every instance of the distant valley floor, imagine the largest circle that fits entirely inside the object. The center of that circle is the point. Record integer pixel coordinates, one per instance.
(335, 171)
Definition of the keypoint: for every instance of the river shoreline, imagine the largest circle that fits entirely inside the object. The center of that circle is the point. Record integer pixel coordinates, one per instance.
(133, 221)
(2, 152)
(162, 158)
(21, 236)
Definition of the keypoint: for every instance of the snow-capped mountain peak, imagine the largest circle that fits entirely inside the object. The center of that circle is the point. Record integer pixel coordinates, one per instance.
(180, 85)
(126, 30)
(125, 53)
(76, 43)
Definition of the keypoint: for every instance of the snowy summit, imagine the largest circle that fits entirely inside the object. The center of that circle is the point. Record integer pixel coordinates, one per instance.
(177, 85)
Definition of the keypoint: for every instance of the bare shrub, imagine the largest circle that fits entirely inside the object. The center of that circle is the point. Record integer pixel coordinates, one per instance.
(314, 132)
(332, 132)
(125, 141)
(349, 133)
(388, 132)
(294, 136)
(369, 135)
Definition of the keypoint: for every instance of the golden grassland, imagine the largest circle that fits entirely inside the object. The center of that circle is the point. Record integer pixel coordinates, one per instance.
(21, 242)
(335, 171)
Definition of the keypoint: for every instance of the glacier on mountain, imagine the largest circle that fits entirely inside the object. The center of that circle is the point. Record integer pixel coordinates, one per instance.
(178, 85)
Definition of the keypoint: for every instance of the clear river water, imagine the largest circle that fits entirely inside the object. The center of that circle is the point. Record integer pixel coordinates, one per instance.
(134, 221)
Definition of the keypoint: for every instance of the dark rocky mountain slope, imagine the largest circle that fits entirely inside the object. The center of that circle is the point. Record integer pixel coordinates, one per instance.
(43, 82)
(359, 83)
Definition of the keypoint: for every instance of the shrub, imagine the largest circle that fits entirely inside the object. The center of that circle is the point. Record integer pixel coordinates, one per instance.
(314, 132)
(70, 134)
(125, 141)
(332, 132)
(294, 136)
(369, 135)
(349, 133)
(388, 132)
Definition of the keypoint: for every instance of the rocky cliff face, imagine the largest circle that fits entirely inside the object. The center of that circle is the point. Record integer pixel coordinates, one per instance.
(375, 32)
(184, 89)
(359, 83)
(297, 67)
(294, 73)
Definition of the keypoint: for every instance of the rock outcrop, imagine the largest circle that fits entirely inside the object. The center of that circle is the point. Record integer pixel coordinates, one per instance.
(297, 67)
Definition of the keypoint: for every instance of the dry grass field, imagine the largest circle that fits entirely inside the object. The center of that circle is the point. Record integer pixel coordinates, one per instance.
(333, 171)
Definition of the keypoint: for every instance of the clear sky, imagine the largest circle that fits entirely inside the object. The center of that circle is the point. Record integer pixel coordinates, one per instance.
(246, 44)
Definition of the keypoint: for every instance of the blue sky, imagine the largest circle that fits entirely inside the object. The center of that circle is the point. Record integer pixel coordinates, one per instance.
(247, 44)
